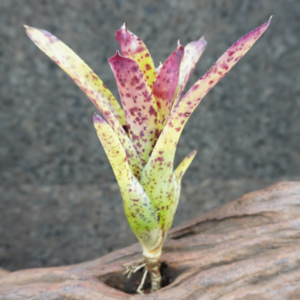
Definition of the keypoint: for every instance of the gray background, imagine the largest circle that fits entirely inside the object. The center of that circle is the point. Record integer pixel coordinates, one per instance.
(59, 201)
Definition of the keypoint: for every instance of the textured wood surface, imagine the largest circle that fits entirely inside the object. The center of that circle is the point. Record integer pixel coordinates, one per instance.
(247, 249)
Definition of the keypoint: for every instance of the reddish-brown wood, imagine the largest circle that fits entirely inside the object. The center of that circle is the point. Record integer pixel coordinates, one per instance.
(247, 249)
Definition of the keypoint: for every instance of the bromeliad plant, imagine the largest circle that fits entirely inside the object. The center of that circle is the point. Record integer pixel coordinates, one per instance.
(140, 140)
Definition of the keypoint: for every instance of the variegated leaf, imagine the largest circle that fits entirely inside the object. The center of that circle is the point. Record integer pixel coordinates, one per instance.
(139, 210)
(81, 73)
(165, 84)
(192, 53)
(138, 104)
(181, 169)
(157, 174)
(89, 82)
(132, 47)
(178, 174)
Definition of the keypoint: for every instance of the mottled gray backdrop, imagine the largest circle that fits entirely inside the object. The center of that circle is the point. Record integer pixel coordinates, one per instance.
(59, 201)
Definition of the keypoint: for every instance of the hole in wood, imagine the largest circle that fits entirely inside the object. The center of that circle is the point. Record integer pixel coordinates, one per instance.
(120, 281)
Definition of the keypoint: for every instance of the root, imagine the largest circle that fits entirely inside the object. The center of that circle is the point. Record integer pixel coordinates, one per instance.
(135, 266)
(139, 289)
(151, 266)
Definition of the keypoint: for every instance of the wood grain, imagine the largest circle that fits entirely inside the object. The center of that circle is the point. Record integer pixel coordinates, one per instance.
(247, 249)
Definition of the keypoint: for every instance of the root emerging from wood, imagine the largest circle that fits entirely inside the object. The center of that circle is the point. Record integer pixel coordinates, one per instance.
(151, 266)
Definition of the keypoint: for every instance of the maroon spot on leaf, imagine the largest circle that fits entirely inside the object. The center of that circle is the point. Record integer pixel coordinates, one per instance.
(122, 81)
(135, 200)
(152, 111)
(134, 68)
(195, 86)
(135, 99)
(220, 73)
(141, 86)
(161, 152)
(211, 82)
(224, 66)
(186, 114)
(133, 110)
(239, 57)
(135, 80)
(134, 137)
(230, 53)
(148, 67)
(140, 49)
(178, 129)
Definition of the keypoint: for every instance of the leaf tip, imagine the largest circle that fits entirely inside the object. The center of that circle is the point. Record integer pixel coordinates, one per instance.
(178, 44)
(203, 40)
(97, 119)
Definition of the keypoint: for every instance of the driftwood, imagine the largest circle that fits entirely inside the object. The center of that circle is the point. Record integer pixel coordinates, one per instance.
(247, 249)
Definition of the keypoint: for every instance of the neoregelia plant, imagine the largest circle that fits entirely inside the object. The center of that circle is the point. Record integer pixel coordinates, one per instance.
(140, 140)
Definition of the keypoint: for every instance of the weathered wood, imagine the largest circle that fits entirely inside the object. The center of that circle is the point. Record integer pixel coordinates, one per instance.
(247, 249)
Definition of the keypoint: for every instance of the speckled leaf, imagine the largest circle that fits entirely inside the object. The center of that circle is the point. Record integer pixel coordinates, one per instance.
(159, 183)
(181, 169)
(160, 187)
(192, 53)
(165, 84)
(178, 174)
(160, 165)
(74, 66)
(88, 81)
(138, 104)
(139, 210)
(132, 47)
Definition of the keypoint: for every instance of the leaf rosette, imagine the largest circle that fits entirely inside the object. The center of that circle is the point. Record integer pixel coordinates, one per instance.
(140, 139)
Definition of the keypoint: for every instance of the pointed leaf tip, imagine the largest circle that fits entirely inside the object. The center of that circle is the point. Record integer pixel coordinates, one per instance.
(164, 86)
(81, 73)
(116, 55)
(183, 166)
(132, 47)
(192, 53)
(97, 119)
(223, 65)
